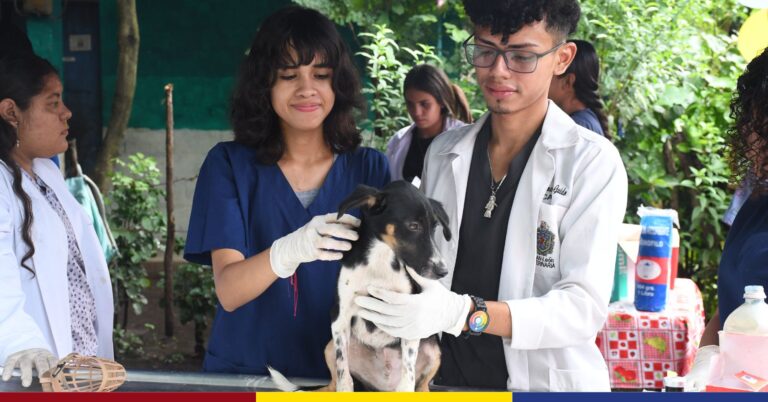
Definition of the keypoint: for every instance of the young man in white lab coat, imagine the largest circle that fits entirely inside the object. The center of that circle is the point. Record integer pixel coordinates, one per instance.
(536, 201)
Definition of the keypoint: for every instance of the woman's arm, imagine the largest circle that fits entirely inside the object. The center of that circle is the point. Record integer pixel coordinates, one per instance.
(239, 280)
(18, 330)
(710, 336)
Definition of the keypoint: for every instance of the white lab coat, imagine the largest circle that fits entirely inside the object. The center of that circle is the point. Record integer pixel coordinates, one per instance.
(398, 145)
(557, 269)
(34, 310)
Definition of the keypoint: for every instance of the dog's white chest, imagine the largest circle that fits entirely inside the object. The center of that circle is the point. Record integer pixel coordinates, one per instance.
(379, 272)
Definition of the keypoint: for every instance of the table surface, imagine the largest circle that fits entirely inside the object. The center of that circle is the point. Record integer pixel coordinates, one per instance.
(640, 347)
(165, 381)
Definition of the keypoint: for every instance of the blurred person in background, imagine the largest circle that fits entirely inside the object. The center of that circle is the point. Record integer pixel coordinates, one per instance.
(435, 105)
(576, 90)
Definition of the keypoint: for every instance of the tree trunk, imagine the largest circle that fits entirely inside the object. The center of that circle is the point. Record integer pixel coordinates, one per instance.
(125, 87)
(170, 240)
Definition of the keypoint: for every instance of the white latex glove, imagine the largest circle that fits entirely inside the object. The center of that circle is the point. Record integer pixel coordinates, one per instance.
(416, 316)
(41, 359)
(322, 238)
(696, 380)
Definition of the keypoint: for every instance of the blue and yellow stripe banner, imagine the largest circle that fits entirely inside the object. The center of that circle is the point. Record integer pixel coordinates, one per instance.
(384, 396)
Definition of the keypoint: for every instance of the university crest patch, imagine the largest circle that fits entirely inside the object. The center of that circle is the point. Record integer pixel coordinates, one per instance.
(545, 240)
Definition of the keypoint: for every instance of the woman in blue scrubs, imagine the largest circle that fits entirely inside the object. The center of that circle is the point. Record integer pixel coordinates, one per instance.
(264, 210)
(745, 256)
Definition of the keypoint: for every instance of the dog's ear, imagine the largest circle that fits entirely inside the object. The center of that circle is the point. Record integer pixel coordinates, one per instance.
(365, 197)
(438, 212)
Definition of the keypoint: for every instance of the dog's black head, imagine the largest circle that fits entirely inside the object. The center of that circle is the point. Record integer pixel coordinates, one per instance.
(403, 218)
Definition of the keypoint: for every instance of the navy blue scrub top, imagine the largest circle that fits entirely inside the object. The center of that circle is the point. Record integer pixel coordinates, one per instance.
(745, 256)
(244, 205)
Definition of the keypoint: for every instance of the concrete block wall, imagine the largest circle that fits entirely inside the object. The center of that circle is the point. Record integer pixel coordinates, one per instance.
(190, 148)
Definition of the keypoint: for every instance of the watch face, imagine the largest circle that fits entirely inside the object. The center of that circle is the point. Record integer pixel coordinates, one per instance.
(478, 321)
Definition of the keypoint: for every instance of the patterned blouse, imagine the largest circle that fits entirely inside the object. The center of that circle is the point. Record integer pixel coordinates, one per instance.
(82, 307)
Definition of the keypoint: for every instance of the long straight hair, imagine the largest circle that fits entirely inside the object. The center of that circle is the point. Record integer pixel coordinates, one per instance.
(586, 69)
(21, 78)
(449, 96)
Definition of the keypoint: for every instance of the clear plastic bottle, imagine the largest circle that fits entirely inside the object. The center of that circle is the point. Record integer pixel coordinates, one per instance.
(751, 318)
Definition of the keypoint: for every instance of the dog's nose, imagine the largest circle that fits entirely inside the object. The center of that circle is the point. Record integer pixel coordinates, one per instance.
(436, 268)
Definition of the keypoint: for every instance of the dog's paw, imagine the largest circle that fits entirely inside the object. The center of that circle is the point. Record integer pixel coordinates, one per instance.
(405, 386)
(345, 384)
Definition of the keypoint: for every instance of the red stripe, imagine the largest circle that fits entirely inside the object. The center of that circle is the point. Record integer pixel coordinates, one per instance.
(294, 282)
(130, 396)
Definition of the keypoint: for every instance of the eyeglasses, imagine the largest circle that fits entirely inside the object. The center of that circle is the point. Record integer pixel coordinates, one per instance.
(520, 61)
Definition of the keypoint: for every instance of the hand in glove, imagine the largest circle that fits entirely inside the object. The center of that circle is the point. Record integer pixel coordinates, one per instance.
(696, 380)
(41, 359)
(322, 238)
(415, 316)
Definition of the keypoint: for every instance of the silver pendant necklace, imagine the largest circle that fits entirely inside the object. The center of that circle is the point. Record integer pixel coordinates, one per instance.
(491, 204)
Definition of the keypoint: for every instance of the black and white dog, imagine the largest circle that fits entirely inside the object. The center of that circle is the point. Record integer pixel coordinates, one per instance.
(395, 243)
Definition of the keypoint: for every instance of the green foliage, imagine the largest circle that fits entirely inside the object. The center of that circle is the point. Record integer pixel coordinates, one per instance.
(415, 21)
(127, 343)
(387, 63)
(138, 226)
(194, 294)
(195, 297)
(668, 72)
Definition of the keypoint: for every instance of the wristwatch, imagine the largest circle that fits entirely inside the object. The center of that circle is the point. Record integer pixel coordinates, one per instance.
(478, 320)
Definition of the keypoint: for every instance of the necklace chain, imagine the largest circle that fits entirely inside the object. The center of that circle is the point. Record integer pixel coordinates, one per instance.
(491, 204)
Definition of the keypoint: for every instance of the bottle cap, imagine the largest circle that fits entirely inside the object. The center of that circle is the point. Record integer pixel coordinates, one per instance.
(754, 292)
(674, 382)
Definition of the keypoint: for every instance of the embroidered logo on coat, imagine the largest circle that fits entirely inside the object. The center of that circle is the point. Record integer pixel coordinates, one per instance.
(545, 240)
(556, 189)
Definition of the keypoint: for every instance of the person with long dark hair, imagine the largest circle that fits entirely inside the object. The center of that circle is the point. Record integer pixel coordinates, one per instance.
(576, 91)
(263, 214)
(745, 255)
(435, 105)
(56, 294)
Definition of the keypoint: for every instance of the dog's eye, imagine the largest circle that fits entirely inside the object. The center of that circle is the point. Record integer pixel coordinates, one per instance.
(414, 226)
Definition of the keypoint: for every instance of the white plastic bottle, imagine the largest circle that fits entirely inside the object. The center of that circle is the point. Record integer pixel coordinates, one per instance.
(751, 318)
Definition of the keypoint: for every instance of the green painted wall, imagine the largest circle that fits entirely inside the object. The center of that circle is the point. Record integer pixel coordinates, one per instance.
(45, 35)
(196, 45)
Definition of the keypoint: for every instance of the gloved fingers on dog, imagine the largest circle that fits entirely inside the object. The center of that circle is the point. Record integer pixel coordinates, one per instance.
(325, 243)
(394, 321)
(337, 230)
(382, 307)
(345, 219)
(326, 255)
(391, 297)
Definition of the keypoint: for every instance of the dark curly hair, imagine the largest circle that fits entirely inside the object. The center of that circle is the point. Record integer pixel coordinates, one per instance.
(21, 78)
(307, 34)
(748, 138)
(506, 17)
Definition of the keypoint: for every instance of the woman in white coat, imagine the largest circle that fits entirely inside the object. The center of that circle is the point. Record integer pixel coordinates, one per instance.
(56, 295)
(435, 105)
